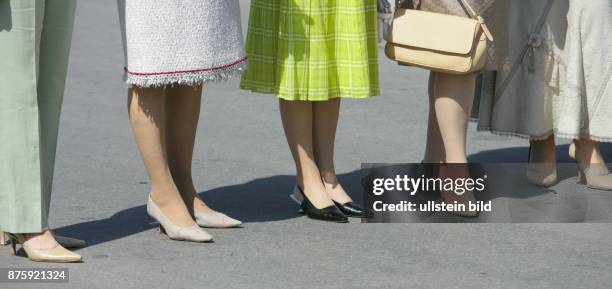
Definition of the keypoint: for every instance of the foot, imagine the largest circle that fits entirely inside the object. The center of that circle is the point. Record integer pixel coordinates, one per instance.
(458, 195)
(41, 241)
(586, 152)
(336, 192)
(42, 247)
(542, 166)
(316, 193)
(173, 207)
(207, 217)
(592, 168)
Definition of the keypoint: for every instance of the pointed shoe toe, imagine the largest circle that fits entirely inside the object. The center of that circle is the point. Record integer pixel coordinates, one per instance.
(351, 209)
(215, 220)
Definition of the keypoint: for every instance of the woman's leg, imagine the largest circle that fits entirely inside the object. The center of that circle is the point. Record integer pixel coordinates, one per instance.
(434, 148)
(543, 151)
(297, 117)
(453, 97)
(587, 152)
(183, 108)
(593, 169)
(542, 163)
(325, 121)
(147, 109)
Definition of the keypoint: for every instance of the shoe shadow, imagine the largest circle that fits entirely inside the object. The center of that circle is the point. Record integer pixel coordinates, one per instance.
(267, 199)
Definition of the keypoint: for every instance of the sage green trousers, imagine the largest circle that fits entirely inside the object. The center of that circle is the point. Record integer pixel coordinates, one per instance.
(35, 37)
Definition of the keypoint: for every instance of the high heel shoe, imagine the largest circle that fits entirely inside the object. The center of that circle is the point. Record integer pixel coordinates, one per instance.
(215, 220)
(66, 242)
(174, 232)
(58, 254)
(594, 176)
(349, 209)
(540, 174)
(331, 213)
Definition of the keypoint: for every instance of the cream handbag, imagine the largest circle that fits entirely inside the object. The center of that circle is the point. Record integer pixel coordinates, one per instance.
(439, 42)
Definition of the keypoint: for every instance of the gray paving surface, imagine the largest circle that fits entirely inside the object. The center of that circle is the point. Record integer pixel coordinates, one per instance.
(242, 166)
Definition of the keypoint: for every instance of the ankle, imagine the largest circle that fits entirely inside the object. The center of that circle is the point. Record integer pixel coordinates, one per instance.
(163, 196)
(587, 151)
(329, 179)
(542, 151)
(456, 160)
(43, 240)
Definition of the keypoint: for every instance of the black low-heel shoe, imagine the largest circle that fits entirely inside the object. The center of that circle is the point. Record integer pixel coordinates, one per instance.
(331, 213)
(351, 209)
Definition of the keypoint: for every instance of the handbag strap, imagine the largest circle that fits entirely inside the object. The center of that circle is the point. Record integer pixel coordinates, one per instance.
(471, 13)
(470, 10)
(475, 15)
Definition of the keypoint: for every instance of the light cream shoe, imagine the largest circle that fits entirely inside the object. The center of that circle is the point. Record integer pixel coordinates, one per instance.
(540, 174)
(58, 254)
(215, 220)
(594, 176)
(68, 242)
(193, 233)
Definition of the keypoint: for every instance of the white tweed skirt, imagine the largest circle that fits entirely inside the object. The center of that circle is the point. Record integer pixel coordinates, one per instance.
(181, 42)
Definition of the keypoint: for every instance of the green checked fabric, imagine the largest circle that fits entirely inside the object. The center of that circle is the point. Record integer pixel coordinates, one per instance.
(312, 50)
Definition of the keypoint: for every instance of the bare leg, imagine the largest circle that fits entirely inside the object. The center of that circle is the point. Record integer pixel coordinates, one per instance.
(183, 108)
(434, 148)
(325, 122)
(542, 166)
(147, 108)
(587, 152)
(453, 99)
(543, 151)
(297, 117)
(593, 169)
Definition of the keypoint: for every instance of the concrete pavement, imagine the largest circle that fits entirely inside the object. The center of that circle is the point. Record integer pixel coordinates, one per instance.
(242, 166)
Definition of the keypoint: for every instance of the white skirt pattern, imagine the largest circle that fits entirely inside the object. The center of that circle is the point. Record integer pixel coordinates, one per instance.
(185, 42)
(584, 108)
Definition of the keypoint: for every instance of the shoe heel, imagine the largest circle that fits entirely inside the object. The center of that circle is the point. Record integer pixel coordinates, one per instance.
(13, 246)
(297, 197)
(2, 238)
(582, 178)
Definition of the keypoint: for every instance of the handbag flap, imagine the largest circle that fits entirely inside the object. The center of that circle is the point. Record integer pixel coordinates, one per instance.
(433, 31)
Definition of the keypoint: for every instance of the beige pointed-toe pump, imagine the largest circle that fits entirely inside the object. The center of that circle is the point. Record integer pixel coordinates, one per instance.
(58, 254)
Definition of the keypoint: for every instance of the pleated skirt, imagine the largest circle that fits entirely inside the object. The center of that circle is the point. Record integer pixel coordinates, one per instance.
(312, 50)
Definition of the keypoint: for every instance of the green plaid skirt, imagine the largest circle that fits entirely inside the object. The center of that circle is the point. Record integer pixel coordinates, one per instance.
(312, 50)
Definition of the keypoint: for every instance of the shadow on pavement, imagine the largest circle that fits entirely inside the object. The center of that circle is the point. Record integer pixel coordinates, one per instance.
(267, 199)
(260, 200)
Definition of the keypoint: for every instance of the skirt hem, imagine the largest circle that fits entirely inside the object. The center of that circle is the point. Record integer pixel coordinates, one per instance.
(189, 78)
(274, 92)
